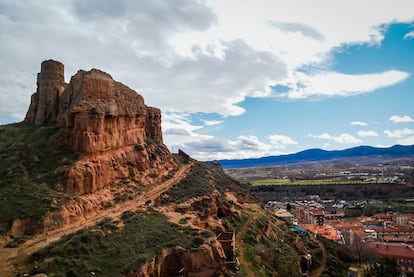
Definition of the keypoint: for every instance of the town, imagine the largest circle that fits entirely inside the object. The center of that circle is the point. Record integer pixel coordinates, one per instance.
(389, 235)
(364, 206)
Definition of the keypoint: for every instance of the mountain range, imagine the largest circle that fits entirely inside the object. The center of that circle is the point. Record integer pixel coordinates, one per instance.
(360, 153)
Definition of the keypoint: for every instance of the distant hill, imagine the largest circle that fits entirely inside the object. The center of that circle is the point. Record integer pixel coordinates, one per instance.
(315, 155)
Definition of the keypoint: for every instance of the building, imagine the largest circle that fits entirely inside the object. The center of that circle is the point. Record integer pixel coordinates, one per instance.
(228, 241)
(284, 215)
(307, 215)
(402, 253)
(310, 215)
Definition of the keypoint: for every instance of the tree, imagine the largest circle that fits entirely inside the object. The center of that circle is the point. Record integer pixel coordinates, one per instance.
(385, 267)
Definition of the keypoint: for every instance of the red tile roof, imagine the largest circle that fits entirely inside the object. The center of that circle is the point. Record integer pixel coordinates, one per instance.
(393, 250)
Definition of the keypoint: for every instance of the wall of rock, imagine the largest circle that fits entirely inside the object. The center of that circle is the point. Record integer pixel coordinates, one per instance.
(108, 124)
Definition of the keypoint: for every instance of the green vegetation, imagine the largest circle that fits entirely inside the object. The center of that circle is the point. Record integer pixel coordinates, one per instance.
(108, 250)
(384, 268)
(350, 192)
(32, 162)
(202, 180)
(266, 245)
(310, 182)
(335, 265)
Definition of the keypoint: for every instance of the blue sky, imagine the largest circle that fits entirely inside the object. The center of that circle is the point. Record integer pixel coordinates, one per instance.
(234, 79)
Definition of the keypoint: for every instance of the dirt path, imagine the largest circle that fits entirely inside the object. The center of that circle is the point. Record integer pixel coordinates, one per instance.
(321, 269)
(24, 169)
(239, 244)
(11, 258)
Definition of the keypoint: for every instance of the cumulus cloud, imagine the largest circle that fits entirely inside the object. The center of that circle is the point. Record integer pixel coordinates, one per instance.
(280, 141)
(330, 84)
(367, 134)
(177, 132)
(193, 56)
(212, 122)
(342, 138)
(401, 119)
(183, 54)
(358, 123)
(409, 35)
(221, 148)
(399, 133)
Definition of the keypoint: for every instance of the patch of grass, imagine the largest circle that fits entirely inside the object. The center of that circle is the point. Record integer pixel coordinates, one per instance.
(235, 223)
(266, 246)
(203, 178)
(110, 251)
(32, 161)
(126, 189)
(184, 220)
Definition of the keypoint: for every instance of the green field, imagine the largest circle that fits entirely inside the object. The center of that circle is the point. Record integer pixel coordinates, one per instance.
(287, 182)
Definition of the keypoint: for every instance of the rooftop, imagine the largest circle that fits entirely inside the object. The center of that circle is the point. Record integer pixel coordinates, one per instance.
(393, 250)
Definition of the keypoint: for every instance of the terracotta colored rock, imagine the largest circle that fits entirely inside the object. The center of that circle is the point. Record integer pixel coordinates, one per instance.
(108, 124)
(44, 105)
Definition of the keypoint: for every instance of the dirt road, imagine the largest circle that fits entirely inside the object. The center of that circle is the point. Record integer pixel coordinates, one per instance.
(11, 258)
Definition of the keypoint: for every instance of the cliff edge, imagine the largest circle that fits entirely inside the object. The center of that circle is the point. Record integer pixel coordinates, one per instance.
(108, 124)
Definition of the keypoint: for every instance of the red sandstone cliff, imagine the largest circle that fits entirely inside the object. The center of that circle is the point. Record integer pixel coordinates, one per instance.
(108, 124)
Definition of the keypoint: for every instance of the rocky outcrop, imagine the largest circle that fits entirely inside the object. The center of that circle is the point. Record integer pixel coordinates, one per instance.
(44, 105)
(208, 260)
(209, 210)
(108, 124)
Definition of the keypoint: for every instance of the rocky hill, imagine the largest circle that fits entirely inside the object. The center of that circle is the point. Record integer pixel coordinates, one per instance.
(88, 188)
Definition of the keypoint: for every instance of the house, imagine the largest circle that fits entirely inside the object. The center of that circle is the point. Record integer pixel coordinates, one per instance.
(403, 254)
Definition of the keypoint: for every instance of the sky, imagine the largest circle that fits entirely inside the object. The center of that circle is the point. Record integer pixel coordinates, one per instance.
(234, 79)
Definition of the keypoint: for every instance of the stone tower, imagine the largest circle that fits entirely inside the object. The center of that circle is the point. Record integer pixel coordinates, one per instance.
(44, 105)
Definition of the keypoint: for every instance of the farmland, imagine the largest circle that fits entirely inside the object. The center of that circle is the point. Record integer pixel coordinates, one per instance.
(310, 182)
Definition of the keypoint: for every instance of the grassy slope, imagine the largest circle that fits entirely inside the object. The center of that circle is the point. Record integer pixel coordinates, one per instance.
(108, 250)
(202, 180)
(31, 162)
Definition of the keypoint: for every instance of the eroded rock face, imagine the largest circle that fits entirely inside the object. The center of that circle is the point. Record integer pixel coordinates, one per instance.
(108, 124)
(44, 105)
(206, 261)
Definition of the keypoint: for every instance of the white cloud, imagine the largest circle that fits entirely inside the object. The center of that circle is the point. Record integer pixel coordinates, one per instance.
(212, 122)
(182, 55)
(409, 35)
(406, 141)
(318, 26)
(401, 119)
(330, 84)
(279, 141)
(367, 134)
(250, 143)
(342, 138)
(180, 133)
(177, 132)
(399, 133)
(221, 148)
(194, 56)
(358, 123)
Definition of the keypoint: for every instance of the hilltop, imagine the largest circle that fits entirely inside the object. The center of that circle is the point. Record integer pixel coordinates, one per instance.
(88, 188)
